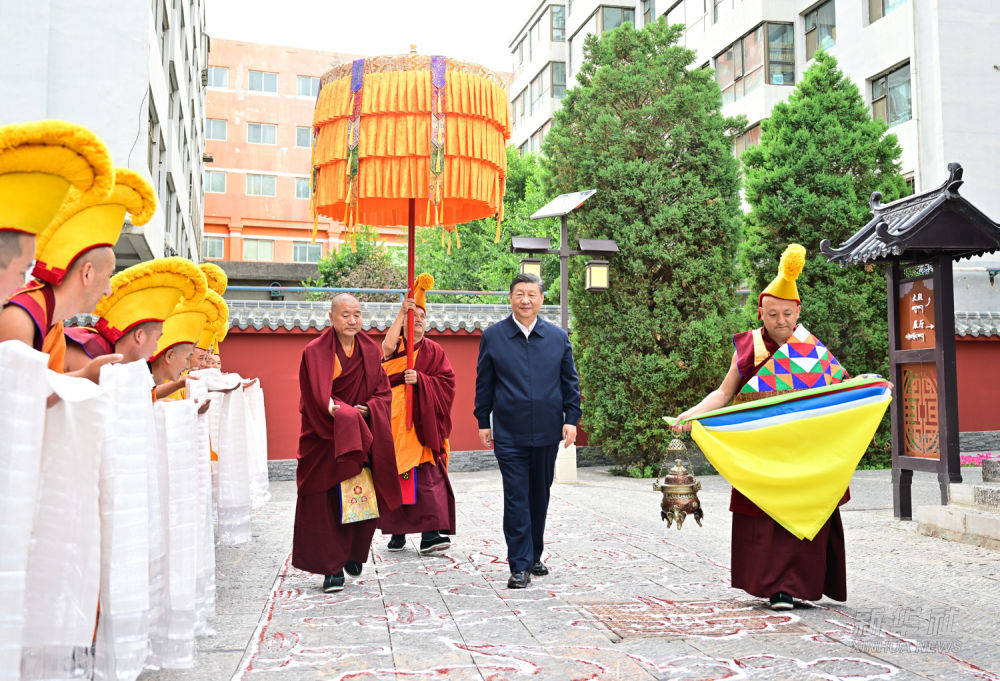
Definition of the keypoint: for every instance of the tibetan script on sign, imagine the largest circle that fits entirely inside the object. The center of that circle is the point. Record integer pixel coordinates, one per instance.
(921, 428)
(916, 314)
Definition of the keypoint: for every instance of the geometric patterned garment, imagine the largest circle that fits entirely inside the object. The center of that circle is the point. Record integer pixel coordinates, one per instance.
(802, 362)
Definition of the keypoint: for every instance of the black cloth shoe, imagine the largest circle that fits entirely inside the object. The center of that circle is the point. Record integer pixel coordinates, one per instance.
(434, 542)
(353, 568)
(782, 601)
(333, 583)
(539, 569)
(519, 580)
(397, 542)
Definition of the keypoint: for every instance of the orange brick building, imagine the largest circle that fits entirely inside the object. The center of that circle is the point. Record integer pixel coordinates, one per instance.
(258, 130)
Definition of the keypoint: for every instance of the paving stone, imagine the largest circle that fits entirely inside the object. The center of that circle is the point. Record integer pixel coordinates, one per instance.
(627, 598)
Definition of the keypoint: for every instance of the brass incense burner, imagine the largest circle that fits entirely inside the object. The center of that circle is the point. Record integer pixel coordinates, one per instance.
(680, 491)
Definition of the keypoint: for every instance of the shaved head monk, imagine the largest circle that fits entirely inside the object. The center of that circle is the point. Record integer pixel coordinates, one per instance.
(347, 465)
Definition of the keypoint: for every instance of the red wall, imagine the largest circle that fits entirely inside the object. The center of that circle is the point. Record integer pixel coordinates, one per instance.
(274, 356)
(978, 363)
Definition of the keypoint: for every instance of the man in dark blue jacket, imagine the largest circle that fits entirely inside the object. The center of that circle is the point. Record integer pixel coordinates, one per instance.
(527, 400)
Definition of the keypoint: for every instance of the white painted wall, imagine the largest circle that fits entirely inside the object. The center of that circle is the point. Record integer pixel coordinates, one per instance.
(95, 62)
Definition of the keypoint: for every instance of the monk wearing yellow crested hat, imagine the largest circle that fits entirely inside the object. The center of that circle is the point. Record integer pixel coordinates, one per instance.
(217, 281)
(181, 331)
(74, 260)
(767, 560)
(130, 320)
(40, 162)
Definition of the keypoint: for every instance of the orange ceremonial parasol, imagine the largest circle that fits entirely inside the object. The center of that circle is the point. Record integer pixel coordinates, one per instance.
(410, 139)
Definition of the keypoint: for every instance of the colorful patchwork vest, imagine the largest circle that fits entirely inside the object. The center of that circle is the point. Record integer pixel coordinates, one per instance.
(801, 362)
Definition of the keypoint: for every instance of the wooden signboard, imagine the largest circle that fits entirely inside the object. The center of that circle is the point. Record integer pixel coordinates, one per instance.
(922, 366)
(916, 314)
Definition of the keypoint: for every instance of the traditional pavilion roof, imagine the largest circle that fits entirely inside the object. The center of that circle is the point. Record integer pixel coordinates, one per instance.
(917, 227)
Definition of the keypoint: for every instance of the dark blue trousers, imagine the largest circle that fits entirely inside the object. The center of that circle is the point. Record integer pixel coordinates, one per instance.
(527, 476)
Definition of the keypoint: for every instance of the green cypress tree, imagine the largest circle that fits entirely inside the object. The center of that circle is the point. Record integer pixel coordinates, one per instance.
(644, 130)
(820, 157)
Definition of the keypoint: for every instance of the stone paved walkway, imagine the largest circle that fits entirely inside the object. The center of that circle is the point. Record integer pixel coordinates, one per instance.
(627, 598)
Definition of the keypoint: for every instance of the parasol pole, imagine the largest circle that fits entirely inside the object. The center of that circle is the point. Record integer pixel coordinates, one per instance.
(410, 282)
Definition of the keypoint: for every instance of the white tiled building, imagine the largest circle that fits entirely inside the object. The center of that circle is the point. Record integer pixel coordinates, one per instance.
(929, 68)
(133, 72)
(540, 72)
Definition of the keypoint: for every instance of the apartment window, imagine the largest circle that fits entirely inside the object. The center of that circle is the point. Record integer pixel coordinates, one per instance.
(891, 96)
(261, 185)
(780, 54)
(534, 38)
(740, 69)
(519, 56)
(613, 17)
(749, 138)
(262, 81)
(303, 251)
(715, 9)
(303, 136)
(821, 29)
(218, 76)
(215, 129)
(261, 250)
(538, 88)
(536, 142)
(519, 108)
(215, 181)
(911, 184)
(879, 8)
(213, 247)
(647, 12)
(262, 133)
(558, 79)
(302, 187)
(558, 23)
(308, 86)
(523, 149)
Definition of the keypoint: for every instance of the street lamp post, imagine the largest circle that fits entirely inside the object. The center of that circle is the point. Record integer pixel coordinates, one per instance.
(560, 207)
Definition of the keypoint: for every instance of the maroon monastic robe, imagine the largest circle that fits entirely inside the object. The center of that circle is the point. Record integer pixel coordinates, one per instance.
(90, 341)
(433, 396)
(767, 558)
(332, 450)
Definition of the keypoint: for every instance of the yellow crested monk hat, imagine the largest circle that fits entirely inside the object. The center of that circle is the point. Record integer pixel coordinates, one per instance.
(789, 268)
(217, 323)
(217, 279)
(423, 283)
(148, 292)
(40, 162)
(86, 222)
(186, 322)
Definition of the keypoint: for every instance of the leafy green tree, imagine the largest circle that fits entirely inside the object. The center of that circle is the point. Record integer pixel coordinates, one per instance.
(644, 130)
(368, 265)
(820, 157)
(481, 263)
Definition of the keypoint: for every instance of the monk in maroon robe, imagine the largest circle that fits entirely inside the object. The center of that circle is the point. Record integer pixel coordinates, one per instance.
(421, 451)
(767, 560)
(345, 406)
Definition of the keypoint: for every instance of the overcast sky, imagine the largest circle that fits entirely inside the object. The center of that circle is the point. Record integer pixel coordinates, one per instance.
(473, 30)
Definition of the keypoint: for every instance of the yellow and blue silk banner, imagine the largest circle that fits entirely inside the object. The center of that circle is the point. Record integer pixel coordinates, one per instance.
(793, 455)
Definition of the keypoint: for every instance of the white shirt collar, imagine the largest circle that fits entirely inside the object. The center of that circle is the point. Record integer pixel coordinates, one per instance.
(526, 330)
